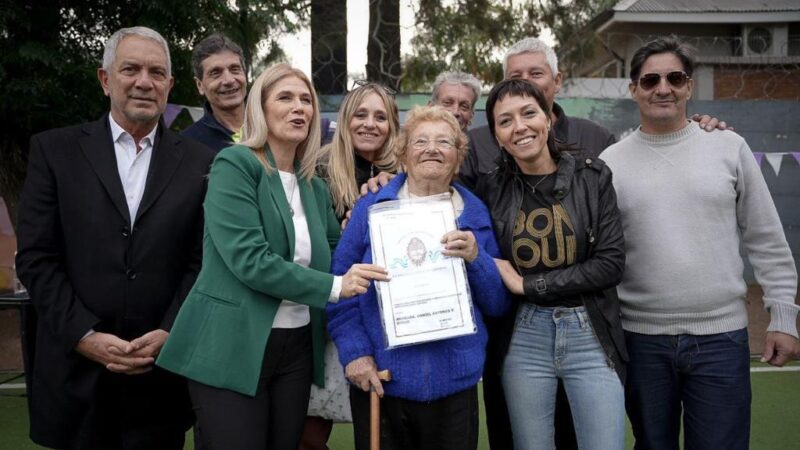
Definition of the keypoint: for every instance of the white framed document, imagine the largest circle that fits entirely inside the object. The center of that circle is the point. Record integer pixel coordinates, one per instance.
(428, 297)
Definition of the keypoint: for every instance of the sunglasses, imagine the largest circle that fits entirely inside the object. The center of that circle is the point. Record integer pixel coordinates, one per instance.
(361, 83)
(676, 79)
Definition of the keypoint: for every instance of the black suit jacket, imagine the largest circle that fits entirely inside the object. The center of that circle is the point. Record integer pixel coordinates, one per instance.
(87, 267)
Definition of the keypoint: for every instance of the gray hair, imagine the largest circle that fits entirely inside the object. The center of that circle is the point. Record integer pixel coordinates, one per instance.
(110, 51)
(454, 77)
(532, 45)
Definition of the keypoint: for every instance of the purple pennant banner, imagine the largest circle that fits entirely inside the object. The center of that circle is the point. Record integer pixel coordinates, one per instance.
(759, 157)
(171, 112)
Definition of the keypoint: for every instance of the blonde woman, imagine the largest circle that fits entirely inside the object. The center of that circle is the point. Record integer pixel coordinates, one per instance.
(249, 336)
(361, 148)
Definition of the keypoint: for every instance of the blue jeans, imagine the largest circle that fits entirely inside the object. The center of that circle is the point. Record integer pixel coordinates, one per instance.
(553, 343)
(705, 378)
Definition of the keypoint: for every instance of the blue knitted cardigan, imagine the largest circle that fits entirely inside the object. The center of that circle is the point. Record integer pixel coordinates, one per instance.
(427, 371)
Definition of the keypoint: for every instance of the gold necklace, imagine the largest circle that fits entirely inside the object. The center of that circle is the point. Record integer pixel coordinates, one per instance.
(533, 188)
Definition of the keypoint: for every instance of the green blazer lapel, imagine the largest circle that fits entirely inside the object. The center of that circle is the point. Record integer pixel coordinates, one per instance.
(279, 197)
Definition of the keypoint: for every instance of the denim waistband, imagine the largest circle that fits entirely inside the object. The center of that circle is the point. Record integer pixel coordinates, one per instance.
(558, 313)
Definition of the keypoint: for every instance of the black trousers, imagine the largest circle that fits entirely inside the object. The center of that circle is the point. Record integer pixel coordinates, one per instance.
(450, 423)
(121, 416)
(274, 418)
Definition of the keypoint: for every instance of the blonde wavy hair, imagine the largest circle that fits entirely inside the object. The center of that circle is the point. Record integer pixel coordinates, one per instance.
(255, 128)
(420, 114)
(339, 162)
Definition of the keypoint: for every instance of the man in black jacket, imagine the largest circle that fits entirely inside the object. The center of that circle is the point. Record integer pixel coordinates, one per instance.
(532, 60)
(110, 230)
(218, 66)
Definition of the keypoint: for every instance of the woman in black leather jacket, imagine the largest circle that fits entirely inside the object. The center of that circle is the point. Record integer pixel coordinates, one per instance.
(558, 227)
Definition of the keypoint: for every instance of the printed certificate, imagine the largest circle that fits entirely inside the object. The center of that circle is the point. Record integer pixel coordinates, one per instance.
(428, 296)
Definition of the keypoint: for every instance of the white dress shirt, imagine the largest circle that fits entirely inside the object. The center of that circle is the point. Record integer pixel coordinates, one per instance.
(132, 165)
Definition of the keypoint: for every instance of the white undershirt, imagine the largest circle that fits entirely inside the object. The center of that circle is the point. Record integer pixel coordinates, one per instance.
(132, 165)
(291, 314)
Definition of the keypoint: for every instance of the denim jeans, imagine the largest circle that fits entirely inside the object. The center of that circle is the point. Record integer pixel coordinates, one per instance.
(559, 343)
(704, 378)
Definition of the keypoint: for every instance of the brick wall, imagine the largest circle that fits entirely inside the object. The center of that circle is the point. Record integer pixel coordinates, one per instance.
(756, 82)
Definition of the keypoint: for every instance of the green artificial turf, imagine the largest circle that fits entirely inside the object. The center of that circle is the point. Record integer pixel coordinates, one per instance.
(775, 417)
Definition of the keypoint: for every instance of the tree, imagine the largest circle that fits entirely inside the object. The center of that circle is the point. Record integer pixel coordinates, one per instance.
(383, 43)
(50, 52)
(569, 20)
(329, 46)
(471, 35)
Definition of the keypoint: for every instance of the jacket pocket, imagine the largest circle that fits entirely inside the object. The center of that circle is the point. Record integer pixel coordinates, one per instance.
(219, 299)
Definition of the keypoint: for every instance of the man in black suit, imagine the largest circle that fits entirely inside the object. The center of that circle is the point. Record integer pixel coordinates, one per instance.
(110, 227)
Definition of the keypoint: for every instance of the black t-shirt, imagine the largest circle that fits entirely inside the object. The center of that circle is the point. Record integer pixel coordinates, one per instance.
(544, 237)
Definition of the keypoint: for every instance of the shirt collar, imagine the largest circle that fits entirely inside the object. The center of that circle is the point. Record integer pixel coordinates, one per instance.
(117, 131)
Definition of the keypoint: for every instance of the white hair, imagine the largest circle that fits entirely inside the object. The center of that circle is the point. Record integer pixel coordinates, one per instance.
(110, 50)
(454, 77)
(532, 45)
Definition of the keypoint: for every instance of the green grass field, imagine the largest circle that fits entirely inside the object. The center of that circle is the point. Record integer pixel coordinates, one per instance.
(775, 424)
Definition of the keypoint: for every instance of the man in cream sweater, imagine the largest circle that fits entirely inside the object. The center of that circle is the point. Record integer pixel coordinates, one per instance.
(688, 199)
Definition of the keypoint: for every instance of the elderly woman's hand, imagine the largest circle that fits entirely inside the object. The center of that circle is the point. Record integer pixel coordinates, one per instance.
(356, 280)
(460, 244)
(363, 373)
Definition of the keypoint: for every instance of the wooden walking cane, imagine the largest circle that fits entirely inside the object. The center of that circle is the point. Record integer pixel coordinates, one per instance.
(375, 412)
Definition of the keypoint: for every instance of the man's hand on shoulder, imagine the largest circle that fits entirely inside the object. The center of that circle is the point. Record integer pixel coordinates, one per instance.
(779, 348)
(113, 353)
(375, 183)
(709, 123)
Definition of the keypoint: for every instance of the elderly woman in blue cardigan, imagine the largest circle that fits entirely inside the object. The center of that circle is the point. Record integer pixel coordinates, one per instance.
(432, 400)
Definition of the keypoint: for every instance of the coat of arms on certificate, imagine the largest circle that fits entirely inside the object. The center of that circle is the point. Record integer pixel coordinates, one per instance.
(428, 297)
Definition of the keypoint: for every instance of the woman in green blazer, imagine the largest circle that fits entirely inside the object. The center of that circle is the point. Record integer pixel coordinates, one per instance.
(250, 334)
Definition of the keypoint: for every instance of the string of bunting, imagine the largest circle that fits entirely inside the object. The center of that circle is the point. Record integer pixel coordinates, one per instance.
(172, 110)
(775, 159)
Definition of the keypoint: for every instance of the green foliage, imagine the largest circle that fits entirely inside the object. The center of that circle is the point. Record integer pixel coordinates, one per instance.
(50, 52)
(569, 21)
(471, 35)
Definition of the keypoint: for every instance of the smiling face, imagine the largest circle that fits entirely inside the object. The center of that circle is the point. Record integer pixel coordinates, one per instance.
(288, 107)
(137, 83)
(369, 127)
(521, 128)
(431, 153)
(663, 108)
(533, 67)
(224, 82)
(458, 99)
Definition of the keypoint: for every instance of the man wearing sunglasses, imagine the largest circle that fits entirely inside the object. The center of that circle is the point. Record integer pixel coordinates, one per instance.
(688, 199)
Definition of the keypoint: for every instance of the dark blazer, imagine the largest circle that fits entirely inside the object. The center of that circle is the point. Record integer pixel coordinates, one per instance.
(86, 268)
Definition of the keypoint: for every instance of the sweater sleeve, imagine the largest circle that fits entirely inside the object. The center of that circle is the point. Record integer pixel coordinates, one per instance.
(606, 262)
(488, 290)
(345, 324)
(765, 244)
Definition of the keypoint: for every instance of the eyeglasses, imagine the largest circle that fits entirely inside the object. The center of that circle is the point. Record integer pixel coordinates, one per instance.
(676, 79)
(424, 144)
(361, 83)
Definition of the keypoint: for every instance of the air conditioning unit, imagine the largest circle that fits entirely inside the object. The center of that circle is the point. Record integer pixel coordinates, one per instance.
(765, 39)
